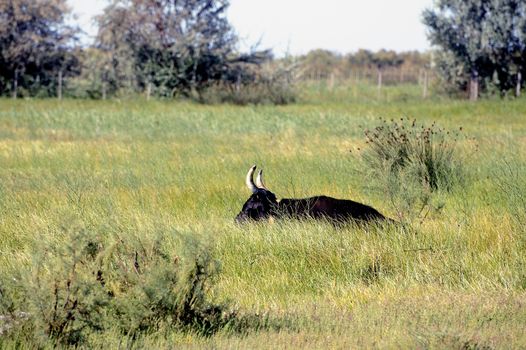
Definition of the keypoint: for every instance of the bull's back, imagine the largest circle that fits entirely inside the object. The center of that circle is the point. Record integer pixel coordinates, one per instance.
(331, 208)
(344, 209)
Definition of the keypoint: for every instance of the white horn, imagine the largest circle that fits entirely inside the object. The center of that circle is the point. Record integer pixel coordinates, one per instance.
(259, 180)
(250, 181)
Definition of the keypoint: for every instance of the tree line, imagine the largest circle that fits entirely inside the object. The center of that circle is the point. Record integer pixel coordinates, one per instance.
(382, 66)
(158, 47)
(482, 44)
(188, 48)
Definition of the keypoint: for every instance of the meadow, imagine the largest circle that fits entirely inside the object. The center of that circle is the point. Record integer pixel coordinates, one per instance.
(139, 168)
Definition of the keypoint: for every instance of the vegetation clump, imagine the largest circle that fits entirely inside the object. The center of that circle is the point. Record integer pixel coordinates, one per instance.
(263, 90)
(412, 161)
(482, 44)
(126, 284)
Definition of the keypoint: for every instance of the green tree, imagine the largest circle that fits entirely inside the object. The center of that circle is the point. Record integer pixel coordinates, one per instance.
(176, 47)
(384, 59)
(319, 64)
(362, 58)
(480, 41)
(36, 45)
(95, 65)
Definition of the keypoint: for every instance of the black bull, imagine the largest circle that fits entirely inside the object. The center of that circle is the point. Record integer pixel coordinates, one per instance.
(263, 204)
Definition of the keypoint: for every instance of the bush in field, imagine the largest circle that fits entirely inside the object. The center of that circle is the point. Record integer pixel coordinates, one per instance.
(428, 152)
(162, 284)
(271, 84)
(412, 162)
(89, 284)
(254, 93)
(59, 292)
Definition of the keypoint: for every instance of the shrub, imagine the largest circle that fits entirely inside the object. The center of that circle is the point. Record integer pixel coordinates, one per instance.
(63, 295)
(412, 162)
(154, 281)
(265, 92)
(88, 284)
(270, 84)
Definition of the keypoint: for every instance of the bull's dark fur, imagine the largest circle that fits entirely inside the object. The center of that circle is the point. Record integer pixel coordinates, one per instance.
(263, 204)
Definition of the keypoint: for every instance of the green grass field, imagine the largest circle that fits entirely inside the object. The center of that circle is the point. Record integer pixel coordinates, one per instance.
(131, 167)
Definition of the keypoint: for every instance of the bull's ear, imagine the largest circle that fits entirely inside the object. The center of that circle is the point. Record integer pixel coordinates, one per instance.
(259, 180)
(249, 181)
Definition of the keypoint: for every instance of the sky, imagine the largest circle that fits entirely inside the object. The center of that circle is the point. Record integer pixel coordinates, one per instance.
(298, 26)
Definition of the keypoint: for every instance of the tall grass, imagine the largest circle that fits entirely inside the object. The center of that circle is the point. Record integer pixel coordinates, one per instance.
(411, 164)
(136, 168)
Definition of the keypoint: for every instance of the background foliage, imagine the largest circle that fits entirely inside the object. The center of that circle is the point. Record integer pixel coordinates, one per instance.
(188, 49)
(482, 41)
(35, 45)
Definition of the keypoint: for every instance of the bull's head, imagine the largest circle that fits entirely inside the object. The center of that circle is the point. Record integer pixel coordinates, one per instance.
(261, 203)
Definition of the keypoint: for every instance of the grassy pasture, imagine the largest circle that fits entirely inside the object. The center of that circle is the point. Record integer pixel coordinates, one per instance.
(132, 167)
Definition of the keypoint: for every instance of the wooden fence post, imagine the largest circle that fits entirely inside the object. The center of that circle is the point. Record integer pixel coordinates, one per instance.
(424, 88)
(59, 89)
(331, 82)
(103, 90)
(15, 84)
(474, 86)
(379, 82)
(149, 88)
(518, 87)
